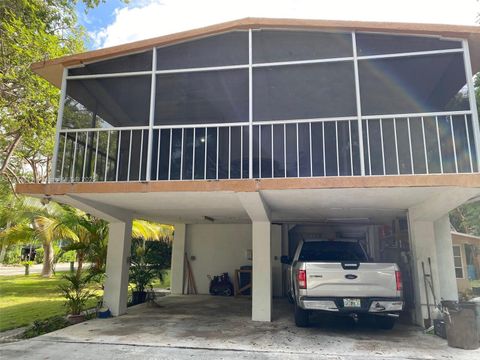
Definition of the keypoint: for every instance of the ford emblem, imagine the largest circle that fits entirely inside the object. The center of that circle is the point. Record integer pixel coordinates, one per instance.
(351, 276)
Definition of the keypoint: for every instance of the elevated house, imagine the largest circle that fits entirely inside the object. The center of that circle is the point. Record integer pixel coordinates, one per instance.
(252, 134)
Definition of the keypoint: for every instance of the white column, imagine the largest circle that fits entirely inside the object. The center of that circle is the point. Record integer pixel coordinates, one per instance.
(277, 278)
(446, 269)
(178, 259)
(118, 263)
(262, 271)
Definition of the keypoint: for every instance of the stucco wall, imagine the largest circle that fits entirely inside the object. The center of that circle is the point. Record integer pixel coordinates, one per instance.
(217, 249)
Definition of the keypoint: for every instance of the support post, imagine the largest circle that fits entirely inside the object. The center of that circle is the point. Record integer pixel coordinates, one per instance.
(118, 264)
(178, 259)
(446, 269)
(262, 271)
(276, 253)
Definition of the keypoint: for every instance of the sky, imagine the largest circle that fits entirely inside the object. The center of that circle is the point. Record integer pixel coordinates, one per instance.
(115, 22)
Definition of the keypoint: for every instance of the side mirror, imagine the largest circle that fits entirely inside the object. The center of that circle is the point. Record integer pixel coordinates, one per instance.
(285, 260)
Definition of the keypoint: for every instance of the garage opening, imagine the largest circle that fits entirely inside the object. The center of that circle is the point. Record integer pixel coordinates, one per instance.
(385, 241)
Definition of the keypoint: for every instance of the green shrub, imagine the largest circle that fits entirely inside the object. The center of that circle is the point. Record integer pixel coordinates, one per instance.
(66, 256)
(12, 255)
(39, 255)
(40, 327)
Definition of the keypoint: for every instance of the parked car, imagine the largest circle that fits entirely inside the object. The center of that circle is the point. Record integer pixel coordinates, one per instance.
(338, 277)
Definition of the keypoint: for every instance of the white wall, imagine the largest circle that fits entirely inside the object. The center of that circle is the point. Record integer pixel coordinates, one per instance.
(217, 248)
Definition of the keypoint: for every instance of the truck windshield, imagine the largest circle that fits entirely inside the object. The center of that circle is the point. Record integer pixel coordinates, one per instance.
(332, 251)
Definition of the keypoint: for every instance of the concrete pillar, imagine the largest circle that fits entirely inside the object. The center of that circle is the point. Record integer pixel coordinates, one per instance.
(446, 269)
(276, 236)
(118, 263)
(285, 230)
(422, 238)
(178, 259)
(262, 271)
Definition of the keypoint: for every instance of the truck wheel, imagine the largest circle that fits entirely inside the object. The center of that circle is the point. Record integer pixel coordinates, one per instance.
(301, 317)
(385, 322)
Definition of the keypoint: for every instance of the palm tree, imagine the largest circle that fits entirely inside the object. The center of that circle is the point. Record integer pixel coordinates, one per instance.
(39, 223)
(35, 222)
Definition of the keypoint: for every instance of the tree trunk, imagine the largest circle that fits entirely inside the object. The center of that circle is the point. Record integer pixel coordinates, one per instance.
(3, 252)
(80, 259)
(48, 254)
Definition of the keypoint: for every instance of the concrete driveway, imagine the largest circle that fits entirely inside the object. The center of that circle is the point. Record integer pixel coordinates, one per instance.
(216, 327)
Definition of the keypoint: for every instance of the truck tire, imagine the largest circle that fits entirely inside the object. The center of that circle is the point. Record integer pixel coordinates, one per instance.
(385, 322)
(301, 317)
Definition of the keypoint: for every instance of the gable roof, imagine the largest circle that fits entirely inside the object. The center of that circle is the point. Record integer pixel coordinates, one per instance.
(52, 69)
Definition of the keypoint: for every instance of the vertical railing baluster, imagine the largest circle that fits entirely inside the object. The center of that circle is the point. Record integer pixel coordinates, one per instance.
(271, 136)
(72, 173)
(427, 167)
(141, 155)
(96, 157)
(181, 151)
(298, 152)
(129, 155)
(216, 160)
(285, 149)
(311, 147)
(439, 146)
(454, 145)
(229, 151)
(351, 146)
(470, 153)
(338, 150)
(324, 148)
(410, 145)
(85, 156)
(396, 144)
(118, 153)
(367, 126)
(260, 151)
(241, 152)
(205, 154)
(194, 151)
(383, 147)
(158, 152)
(170, 155)
(106, 157)
(63, 156)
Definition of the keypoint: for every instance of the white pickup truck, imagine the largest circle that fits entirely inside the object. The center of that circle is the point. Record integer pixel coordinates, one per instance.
(336, 276)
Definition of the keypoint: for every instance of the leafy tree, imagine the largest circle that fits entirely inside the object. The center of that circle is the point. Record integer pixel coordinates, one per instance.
(30, 31)
(466, 218)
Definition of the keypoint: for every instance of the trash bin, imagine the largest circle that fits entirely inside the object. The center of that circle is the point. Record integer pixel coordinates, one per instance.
(476, 301)
(461, 323)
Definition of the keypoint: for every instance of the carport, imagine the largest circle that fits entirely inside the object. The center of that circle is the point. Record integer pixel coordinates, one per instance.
(218, 327)
(218, 224)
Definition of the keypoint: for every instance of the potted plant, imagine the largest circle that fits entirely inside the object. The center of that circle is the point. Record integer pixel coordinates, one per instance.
(76, 292)
(141, 275)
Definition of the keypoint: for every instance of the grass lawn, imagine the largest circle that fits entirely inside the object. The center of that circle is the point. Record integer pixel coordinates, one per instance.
(162, 284)
(24, 299)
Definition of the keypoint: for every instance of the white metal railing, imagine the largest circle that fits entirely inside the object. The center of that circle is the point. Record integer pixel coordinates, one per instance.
(217, 151)
(113, 154)
(431, 143)
(404, 144)
(302, 148)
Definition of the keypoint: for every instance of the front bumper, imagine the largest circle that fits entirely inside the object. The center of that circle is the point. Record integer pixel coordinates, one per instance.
(368, 305)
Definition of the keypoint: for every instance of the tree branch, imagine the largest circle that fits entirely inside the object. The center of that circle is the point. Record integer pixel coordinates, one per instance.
(10, 153)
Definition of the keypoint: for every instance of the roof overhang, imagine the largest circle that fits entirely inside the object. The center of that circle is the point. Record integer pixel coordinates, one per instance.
(52, 70)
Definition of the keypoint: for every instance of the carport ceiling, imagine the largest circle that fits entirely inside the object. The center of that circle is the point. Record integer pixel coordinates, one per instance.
(317, 205)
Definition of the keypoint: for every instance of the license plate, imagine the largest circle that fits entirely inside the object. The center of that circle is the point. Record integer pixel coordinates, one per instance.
(352, 303)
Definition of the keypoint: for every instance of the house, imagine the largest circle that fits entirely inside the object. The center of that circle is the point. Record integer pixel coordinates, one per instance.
(466, 255)
(252, 134)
